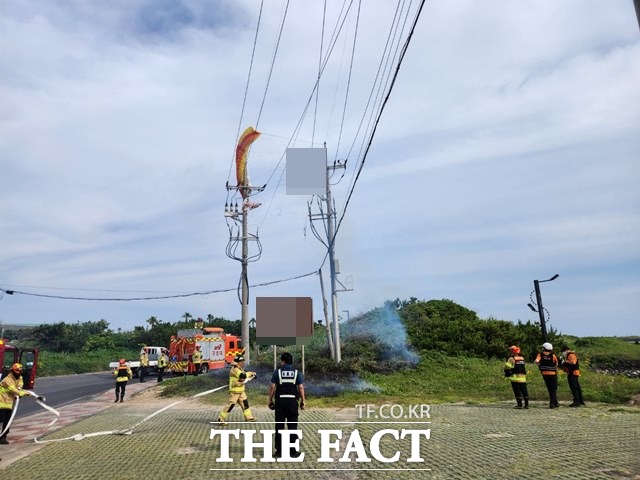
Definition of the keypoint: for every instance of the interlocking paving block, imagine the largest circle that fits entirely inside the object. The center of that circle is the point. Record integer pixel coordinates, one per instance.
(466, 442)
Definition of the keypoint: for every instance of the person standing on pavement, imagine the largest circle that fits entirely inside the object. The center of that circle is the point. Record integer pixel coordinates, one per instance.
(10, 389)
(571, 366)
(196, 358)
(548, 364)
(144, 364)
(123, 374)
(287, 387)
(237, 379)
(163, 361)
(514, 370)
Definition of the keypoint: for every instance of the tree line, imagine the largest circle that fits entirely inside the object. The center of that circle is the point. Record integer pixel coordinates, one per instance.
(384, 338)
(63, 337)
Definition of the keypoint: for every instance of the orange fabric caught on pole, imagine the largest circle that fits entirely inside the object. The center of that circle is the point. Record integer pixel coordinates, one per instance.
(249, 136)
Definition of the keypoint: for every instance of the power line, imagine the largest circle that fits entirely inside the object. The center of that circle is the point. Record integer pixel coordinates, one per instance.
(246, 89)
(382, 107)
(163, 297)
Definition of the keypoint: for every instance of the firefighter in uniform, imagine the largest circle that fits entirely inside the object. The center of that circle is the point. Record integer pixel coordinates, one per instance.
(237, 395)
(10, 389)
(287, 386)
(514, 370)
(196, 358)
(548, 364)
(571, 366)
(123, 375)
(163, 361)
(144, 364)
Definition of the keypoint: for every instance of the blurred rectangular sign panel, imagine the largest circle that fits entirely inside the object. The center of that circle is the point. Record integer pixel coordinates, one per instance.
(306, 171)
(284, 320)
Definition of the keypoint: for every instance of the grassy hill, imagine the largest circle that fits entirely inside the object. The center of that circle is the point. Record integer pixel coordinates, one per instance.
(419, 351)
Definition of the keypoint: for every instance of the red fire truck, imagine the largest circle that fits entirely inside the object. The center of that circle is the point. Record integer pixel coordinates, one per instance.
(218, 349)
(28, 357)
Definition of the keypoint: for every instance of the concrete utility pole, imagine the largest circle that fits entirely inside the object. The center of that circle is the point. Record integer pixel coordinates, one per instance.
(332, 269)
(241, 215)
(326, 317)
(330, 217)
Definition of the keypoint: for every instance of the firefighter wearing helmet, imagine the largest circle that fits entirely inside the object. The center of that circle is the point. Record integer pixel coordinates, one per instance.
(10, 389)
(237, 378)
(514, 370)
(548, 364)
(123, 374)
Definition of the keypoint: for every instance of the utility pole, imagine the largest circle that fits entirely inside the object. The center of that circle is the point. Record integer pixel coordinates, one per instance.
(330, 217)
(326, 317)
(332, 269)
(241, 215)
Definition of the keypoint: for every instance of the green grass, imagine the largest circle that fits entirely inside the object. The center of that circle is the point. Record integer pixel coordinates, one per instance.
(606, 352)
(436, 379)
(50, 363)
(440, 379)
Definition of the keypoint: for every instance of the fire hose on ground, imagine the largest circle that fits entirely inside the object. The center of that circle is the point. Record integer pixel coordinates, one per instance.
(40, 400)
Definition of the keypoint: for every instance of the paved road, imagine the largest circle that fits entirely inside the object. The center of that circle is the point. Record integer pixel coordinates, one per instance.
(66, 389)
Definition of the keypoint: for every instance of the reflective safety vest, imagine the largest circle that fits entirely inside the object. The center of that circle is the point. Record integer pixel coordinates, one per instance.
(515, 369)
(547, 363)
(287, 383)
(122, 374)
(571, 365)
(197, 357)
(144, 360)
(162, 361)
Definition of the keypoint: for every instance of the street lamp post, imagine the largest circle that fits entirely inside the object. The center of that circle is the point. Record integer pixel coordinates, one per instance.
(540, 310)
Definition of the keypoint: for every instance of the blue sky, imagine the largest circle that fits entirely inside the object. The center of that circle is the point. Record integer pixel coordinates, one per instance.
(508, 152)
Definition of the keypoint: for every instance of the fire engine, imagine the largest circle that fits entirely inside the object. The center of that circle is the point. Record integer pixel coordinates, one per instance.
(28, 357)
(218, 349)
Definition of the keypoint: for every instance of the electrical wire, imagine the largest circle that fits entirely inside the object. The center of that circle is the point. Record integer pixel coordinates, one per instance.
(375, 126)
(231, 249)
(273, 62)
(315, 113)
(246, 91)
(163, 297)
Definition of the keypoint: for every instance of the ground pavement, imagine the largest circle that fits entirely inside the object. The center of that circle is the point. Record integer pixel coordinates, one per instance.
(465, 442)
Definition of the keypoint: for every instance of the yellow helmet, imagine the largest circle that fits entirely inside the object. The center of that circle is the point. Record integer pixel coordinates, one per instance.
(16, 367)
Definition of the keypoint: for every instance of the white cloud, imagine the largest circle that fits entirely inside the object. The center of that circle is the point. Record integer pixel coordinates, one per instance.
(507, 152)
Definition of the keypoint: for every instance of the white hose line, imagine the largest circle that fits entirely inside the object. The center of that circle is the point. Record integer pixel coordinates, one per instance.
(129, 431)
(38, 401)
(13, 414)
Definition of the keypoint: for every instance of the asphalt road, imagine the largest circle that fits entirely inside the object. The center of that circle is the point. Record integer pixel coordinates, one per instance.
(65, 389)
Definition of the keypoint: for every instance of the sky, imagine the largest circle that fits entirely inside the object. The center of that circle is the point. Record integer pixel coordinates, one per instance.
(507, 151)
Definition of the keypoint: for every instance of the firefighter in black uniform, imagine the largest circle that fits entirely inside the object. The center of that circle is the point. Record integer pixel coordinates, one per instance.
(515, 370)
(548, 364)
(123, 375)
(571, 365)
(287, 386)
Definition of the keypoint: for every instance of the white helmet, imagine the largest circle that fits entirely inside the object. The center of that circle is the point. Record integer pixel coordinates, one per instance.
(547, 346)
